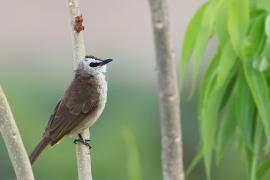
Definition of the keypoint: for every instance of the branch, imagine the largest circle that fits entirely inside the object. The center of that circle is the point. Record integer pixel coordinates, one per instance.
(83, 154)
(13, 141)
(77, 37)
(83, 159)
(171, 140)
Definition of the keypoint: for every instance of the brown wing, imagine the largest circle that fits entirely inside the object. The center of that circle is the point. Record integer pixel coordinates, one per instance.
(80, 99)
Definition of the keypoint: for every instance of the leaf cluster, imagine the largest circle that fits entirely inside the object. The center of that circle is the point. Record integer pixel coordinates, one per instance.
(234, 99)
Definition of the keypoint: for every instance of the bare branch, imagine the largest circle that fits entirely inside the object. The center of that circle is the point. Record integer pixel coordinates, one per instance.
(77, 38)
(13, 141)
(83, 159)
(171, 140)
(83, 154)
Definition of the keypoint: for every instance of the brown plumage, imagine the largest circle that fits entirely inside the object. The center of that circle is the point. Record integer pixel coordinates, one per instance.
(75, 111)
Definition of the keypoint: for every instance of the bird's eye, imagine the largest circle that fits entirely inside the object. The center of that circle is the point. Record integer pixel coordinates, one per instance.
(92, 64)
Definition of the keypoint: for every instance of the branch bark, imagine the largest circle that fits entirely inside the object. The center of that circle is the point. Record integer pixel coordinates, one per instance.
(77, 38)
(82, 152)
(171, 140)
(13, 141)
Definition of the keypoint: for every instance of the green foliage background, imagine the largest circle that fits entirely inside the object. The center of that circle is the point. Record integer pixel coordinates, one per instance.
(234, 100)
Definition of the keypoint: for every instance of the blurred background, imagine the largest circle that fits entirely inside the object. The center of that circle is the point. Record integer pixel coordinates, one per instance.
(36, 68)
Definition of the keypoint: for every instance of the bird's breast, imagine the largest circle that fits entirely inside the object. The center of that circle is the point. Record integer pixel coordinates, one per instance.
(102, 89)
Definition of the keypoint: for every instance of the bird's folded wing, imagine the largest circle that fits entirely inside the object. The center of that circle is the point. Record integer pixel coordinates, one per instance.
(70, 111)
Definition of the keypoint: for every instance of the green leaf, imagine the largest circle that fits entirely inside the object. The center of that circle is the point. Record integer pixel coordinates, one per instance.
(267, 25)
(205, 89)
(197, 158)
(265, 62)
(227, 61)
(228, 91)
(225, 66)
(206, 29)
(238, 24)
(208, 81)
(208, 111)
(257, 37)
(208, 128)
(226, 128)
(257, 42)
(245, 110)
(252, 156)
(263, 168)
(258, 86)
(190, 40)
(221, 24)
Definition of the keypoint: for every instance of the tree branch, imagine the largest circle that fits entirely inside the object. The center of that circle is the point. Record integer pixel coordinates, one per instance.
(83, 154)
(77, 38)
(13, 141)
(171, 140)
(83, 159)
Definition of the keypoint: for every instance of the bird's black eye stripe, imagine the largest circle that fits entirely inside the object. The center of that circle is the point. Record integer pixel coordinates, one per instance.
(92, 64)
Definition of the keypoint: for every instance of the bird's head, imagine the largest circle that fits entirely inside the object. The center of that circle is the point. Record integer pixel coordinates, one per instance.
(93, 65)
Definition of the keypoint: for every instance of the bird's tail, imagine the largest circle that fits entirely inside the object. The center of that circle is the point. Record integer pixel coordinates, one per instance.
(38, 149)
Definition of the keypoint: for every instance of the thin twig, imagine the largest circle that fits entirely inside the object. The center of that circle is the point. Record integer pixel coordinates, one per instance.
(171, 140)
(13, 141)
(83, 154)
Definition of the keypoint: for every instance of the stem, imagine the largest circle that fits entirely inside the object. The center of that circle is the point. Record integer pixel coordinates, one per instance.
(13, 141)
(83, 154)
(77, 38)
(171, 140)
(83, 159)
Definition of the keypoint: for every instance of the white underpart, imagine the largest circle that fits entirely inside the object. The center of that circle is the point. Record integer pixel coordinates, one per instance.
(103, 93)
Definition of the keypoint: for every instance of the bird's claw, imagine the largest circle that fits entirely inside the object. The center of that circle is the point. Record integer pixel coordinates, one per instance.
(83, 141)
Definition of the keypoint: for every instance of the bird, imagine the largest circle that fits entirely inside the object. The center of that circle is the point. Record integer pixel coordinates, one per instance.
(80, 106)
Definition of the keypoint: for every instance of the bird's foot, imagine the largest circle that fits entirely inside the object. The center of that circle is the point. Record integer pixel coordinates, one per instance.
(85, 142)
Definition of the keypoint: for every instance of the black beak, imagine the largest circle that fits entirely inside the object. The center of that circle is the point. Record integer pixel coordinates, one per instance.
(106, 61)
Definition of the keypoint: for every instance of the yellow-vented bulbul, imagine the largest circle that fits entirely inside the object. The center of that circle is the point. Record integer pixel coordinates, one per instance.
(80, 107)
